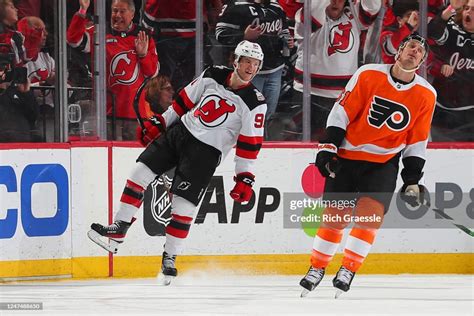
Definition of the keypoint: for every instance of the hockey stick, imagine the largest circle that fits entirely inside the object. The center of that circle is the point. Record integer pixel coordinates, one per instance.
(449, 218)
(155, 219)
(136, 102)
(445, 216)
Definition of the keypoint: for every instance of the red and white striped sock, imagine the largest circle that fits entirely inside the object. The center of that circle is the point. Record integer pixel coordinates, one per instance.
(182, 212)
(132, 196)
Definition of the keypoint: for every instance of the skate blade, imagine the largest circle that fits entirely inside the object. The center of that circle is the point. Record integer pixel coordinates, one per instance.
(338, 293)
(304, 293)
(164, 280)
(111, 246)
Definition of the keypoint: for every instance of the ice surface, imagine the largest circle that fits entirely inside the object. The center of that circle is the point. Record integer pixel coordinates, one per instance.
(227, 294)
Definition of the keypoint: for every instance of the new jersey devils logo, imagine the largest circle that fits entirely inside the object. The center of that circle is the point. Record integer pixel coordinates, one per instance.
(40, 74)
(123, 69)
(213, 110)
(382, 111)
(341, 39)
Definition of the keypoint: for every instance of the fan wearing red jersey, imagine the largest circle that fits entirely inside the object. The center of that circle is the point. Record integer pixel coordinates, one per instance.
(383, 114)
(216, 111)
(130, 58)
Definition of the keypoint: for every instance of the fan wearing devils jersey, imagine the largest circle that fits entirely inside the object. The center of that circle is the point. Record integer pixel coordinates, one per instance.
(453, 31)
(41, 68)
(263, 22)
(216, 111)
(383, 114)
(10, 36)
(405, 23)
(130, 58)
(336, 26)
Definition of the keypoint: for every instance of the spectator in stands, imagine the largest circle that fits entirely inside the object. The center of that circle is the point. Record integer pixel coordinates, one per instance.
(371, 53)
(290, 7)
(453, 31)
(263, 22)
(8, 13)
(8, 33)
(174, 27)
(405, 23)
(18, 109)
(335, 41)
(40, 71)
(41, 67)
(130, 57)
(159, 94)
(156, 97)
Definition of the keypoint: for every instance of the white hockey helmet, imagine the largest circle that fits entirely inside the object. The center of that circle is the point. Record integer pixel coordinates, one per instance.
(248, 49)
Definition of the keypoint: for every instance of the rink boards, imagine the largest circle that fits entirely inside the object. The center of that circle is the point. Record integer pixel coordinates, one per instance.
(50, 194)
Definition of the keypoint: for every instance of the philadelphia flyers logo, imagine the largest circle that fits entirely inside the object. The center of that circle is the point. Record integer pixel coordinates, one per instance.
(341, 39)
(213, 110)
(386, 112)
(123, 69)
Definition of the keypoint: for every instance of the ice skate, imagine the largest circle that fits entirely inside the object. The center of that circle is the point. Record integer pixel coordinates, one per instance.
(168, 269)
(342, 281)
(115, 233)
(311, 280)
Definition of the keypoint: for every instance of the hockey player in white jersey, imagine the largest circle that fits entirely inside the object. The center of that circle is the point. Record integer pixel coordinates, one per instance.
(216, 111)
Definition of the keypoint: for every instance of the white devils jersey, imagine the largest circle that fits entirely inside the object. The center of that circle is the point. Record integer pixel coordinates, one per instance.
(38, 71)
(334, 45)
(221, 117)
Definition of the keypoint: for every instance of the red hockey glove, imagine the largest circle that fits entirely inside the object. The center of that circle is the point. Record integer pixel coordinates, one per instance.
(153, 128)
(326, 160)
(242, 191)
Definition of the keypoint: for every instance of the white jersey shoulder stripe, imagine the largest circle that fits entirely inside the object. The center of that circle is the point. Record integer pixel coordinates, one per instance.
(416, 150)
(371, 148)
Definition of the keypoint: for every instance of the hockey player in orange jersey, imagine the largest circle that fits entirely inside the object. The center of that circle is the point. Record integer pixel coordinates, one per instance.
(383, 114)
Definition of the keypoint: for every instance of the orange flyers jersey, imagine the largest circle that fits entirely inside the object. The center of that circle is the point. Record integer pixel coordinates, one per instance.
(382, 117)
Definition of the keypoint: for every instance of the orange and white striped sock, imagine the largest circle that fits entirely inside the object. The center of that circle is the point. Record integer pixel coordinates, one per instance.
(328, 238)
(325, 245)
(362, 235)
(357, 247)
